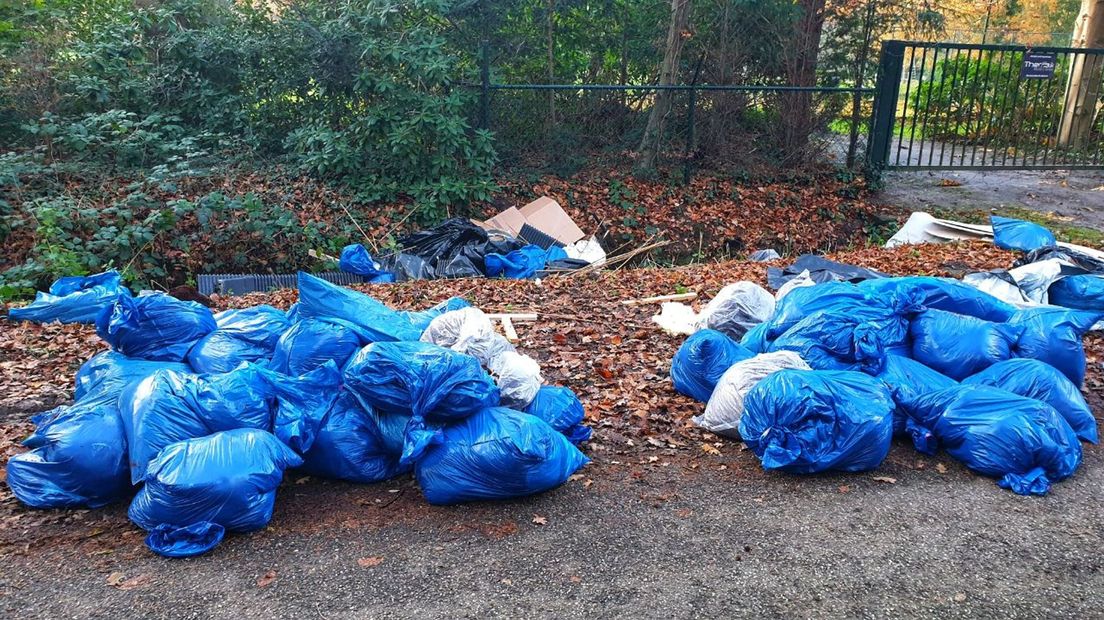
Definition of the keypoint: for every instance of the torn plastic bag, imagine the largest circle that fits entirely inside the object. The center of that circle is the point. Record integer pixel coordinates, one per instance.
(1022, 442)
(311, 343)
(801, 280)
(1041, 381)
(726, 405)
(820, 270)
(1013, 234)
(737, 308)
(109, 372)
(456, 267)
(562, 410)
(405, 267)
(518, 377)
(701, 360)
(588, 250)
(523, 263)
(154, 327)
(370, 319)
(73, 299)
(497, 453)
(228, 478)
(77, 458)
(808, 421)
(1068, 255)
(169, 407)
(763, 256)
(356, 444)
(421, 319)
(958, 345)
(944, 294)
(467, 331)
(1000, 284)
(1082, 292)
(420, 379)
(907, 380)
(245, 335)
(677, 319)
(185, 542)
(356, 259)
(1053, 335)
(445, 240)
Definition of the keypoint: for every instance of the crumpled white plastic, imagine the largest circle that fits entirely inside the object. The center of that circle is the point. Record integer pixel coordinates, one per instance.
(733, 311)
(587, 249)
(467, 331)
(518, 377)
(798, 281)
(726, 405)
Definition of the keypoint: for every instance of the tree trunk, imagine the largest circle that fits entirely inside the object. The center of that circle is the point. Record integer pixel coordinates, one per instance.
(677, 35)
(801, 64)
(551, 44)
(1083, 88)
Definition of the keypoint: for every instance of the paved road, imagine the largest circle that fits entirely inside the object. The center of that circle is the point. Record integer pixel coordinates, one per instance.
(642, 540)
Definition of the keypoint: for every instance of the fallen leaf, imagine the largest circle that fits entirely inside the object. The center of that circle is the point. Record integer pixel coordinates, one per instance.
(539, 520)
(266, 579)
(575, 579)
(508, 582)
(370, 561)
(710, 449)
(960, 597)
(844, 488)
(588, 483)
(941, 468)
(135, 582)
(885, 479)
(115, 578)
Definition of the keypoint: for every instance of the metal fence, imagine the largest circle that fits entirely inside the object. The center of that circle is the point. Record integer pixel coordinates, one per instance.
(971, 106)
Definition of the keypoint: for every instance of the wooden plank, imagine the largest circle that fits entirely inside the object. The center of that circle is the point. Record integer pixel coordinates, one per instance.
(659, 299)
(508, 327)
(521, 318)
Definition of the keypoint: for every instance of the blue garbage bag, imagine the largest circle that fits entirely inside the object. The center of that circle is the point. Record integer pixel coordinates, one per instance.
(958, 345)
(1083, 292)
(311, 343)
(523, 263)
(109, 372)
(800, 303)
(562, 410)
(808, 421)
(357, 444)
(497, 453)
(169, 407)
(1054, 335)
(245, 335)
(356, 259)
(944, 294)
(73, 299)
(906, 380)
(1022, 442)
(1034, 379)
(228, 478)
(702, 359)
(185, 542)
(77, 458)
(370, 319)
(422, 318)
(1013, 234)
(154, 327)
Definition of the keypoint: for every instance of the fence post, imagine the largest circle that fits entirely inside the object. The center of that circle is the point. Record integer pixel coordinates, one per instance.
(689, 135)
(485, 85)
(885, 104)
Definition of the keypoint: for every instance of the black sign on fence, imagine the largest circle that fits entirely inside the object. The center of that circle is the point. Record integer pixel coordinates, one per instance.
(1038, 66)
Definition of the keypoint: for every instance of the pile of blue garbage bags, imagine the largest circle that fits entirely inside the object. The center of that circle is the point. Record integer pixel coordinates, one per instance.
(195, 416)
(839, 368)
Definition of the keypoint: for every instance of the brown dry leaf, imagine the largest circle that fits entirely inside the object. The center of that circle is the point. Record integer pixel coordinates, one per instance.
(941, 468)
(266, 579)
(885, 479)
(539, 520)
(710, 449)
(114, 579)
(370, 561)
(135, 582)
(949, 183)
(844, 488)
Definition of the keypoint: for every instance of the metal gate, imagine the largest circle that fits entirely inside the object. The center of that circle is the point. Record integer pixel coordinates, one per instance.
(942, 106)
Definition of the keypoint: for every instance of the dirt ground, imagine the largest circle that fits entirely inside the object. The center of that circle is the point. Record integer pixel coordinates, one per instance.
(667, 521)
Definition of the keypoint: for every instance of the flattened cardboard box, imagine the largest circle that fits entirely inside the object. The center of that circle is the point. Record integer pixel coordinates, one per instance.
(544, 214)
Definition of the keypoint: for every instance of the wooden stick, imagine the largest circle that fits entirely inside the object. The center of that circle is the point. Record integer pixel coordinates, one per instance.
(508, 327)
(659, 299)
(512, 317)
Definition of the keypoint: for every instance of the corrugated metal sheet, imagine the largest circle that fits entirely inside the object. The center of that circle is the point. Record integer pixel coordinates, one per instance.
(242, 283)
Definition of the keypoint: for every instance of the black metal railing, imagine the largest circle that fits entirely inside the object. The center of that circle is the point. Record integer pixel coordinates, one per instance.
(970, 106)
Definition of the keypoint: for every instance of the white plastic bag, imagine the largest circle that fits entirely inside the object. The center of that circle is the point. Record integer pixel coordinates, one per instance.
(736, 309)
(677, 319)
(588, 250)
(518, 377)
(726, 405)
(798, 281)
(467, 331)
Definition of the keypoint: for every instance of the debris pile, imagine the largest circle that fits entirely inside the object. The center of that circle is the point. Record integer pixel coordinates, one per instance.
(201, 414)
(839, 367)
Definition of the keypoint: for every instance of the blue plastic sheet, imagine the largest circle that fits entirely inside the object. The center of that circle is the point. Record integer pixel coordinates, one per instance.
(702, 359)
(1041, 381)
(73, 299)
(246, 335)
(370, 319)
(77, 458)
(109, 372)
(154, 327)
(422, 318)
(228, 478)
(562, 410)
(800, 303)
(1083, 292)
(907, 380)
(311, 343)
(1022, 442)
(523, 263)
(498, 453)
(357, 444)
(185, 542)
(958, 345)
(1054, 336)
(808, 421)
(1012, 234)
(943, 294)
(356, 259)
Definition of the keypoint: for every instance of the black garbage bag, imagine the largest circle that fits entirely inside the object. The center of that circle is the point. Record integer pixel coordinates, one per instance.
(820, 270)
(454, 248)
